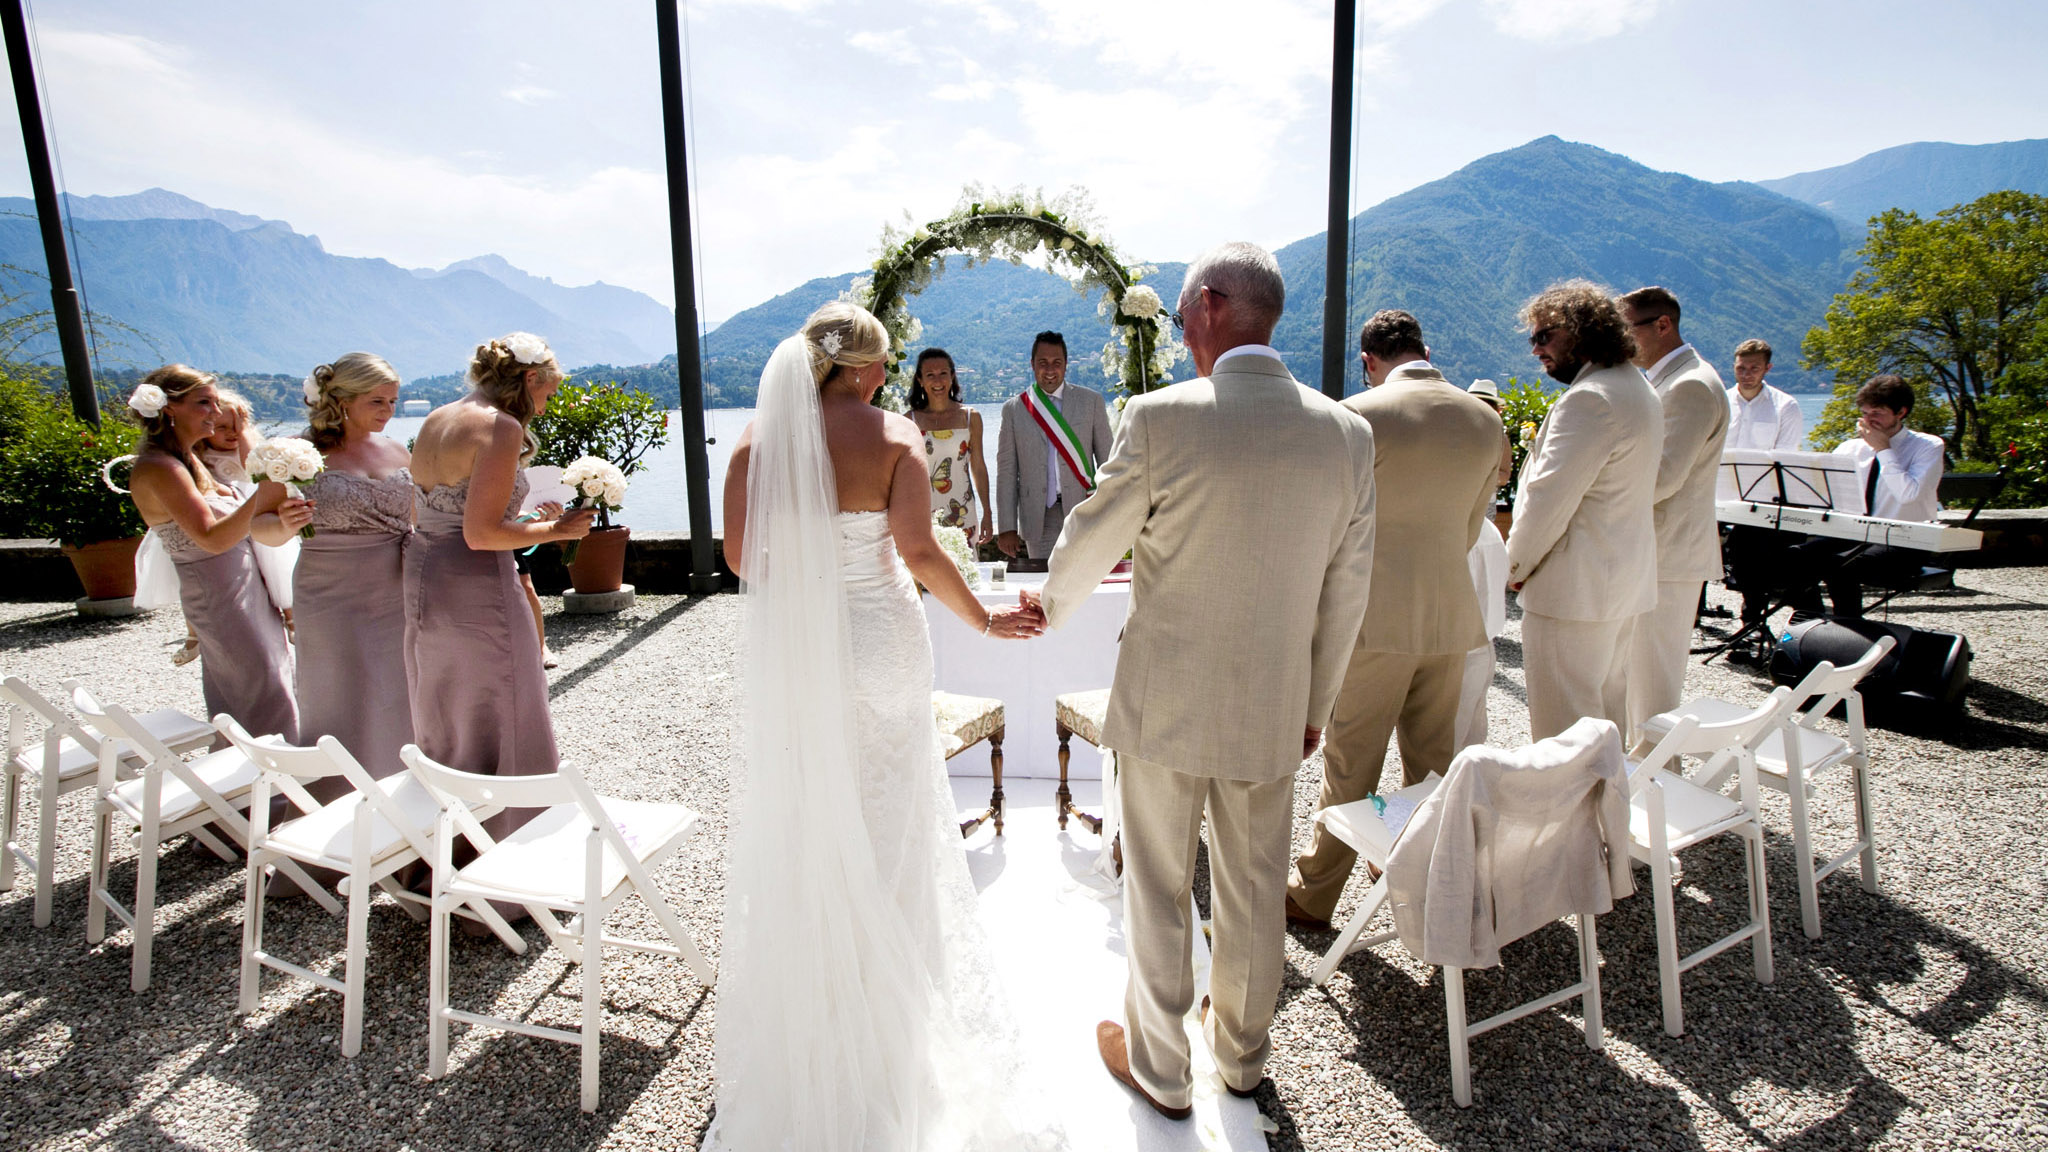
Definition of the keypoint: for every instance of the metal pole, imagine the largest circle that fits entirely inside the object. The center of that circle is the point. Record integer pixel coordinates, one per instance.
(689, 363)
(49, 213)
(1336, 237)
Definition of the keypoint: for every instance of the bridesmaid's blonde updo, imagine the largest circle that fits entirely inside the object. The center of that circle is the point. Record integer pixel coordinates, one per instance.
(335, 387)
(498, 372)
(177, 382)
(843, 335)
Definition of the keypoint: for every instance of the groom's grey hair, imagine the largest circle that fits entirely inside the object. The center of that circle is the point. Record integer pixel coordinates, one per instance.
(1247, 274)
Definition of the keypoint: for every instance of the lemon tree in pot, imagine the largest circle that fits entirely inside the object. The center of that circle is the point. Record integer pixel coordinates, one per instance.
(609, 423)
(51, 487)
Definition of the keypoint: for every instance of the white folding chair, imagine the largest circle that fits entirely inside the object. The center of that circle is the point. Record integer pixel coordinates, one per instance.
(62, 761)
(168, 796)
(584, 855)
(367, 835)
(1796, 752)
(1668, 814)
(1372, 833)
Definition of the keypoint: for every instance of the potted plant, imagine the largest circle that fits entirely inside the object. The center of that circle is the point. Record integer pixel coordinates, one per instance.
(52, 465)
(619, 426)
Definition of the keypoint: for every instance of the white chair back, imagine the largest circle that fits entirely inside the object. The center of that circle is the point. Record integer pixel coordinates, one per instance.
(453, 787)
(1715, 743)
(1832, 686)
(24, 701)
(125, 728)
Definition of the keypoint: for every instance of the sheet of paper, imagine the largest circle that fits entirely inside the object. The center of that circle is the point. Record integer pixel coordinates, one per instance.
(545, 484)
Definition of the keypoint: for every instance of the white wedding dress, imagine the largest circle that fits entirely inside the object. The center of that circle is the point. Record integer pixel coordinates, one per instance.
(857, 1006)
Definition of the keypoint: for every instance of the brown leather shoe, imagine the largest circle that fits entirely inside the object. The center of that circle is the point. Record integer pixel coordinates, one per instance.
(1296, 918)
(1109, 1040)
(1240, 1093)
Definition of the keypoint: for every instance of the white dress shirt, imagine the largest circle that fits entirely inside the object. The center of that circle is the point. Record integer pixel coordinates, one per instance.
(1052, 454)
(1668, 357)
(1771, 422)
(1245, 350)
(1908, 473)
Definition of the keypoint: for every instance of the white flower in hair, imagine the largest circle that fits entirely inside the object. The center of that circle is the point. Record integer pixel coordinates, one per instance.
(147, 400)
(1141, 301)
(527, 348)
(312, 390)
(831, 342)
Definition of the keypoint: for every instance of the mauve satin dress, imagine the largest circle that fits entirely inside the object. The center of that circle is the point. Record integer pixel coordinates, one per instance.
(349, 589)
(245, 663)
(472, 658)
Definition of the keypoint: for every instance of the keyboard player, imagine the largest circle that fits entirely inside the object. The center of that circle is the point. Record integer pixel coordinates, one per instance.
(1899, 469)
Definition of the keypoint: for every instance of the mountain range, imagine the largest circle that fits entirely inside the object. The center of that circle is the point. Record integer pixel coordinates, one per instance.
(235, 292)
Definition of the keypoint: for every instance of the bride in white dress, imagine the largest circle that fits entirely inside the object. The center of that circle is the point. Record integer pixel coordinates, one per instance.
(857, 1003)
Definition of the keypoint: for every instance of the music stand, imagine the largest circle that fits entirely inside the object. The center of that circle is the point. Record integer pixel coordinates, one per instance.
(1819, 480)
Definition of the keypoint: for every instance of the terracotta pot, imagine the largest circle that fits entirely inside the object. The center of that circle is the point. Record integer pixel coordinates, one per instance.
(600, 563)
(107, 568)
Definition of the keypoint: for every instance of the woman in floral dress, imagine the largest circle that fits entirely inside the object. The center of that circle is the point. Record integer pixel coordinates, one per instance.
(952, 447)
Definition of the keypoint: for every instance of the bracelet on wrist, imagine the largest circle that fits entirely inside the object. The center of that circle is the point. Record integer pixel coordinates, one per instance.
(988, 623)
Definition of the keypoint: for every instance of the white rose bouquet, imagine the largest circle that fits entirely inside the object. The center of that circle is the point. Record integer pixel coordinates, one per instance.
(1141, 301)
(289, 461)
(598, 484)
(954, 541)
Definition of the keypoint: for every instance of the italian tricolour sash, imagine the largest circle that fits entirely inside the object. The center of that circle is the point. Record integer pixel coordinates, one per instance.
(1061, 435)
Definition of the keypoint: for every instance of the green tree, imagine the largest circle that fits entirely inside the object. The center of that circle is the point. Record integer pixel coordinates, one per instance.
(1955, 303)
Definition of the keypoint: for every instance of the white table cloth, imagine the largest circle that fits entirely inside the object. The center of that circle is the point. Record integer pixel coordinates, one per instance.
(1027, 674)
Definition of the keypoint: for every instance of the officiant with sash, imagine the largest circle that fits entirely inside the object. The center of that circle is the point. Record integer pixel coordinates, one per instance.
(1053, 436)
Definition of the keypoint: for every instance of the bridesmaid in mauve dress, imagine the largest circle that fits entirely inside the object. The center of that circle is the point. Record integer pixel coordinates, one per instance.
(349, 587)
(244, 662)
(479, 694)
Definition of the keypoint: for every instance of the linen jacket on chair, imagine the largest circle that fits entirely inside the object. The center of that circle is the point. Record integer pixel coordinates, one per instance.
(1583, 544)
(1436, 448)
(1021, 449)
(1695, 427)
(1511, 841)
(1247, 502)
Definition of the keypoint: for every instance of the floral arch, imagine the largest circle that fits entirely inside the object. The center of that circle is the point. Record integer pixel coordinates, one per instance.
(1010, 226)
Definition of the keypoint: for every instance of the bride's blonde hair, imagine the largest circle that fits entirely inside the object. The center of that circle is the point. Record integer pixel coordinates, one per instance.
(842, 335)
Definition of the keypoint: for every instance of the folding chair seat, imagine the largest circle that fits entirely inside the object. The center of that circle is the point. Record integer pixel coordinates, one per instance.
(1375, 830)
(584, 855)
(963, 722)
(367, 835)
(1791, 756)
(1669, 814)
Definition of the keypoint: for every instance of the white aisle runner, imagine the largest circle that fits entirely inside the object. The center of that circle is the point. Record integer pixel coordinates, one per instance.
(1058, 937)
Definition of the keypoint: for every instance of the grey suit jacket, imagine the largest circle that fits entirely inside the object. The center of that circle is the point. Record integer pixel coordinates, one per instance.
(1247, 501)
(1695, 426)
(1021, 449)
(1436, 449)
(1583, 545)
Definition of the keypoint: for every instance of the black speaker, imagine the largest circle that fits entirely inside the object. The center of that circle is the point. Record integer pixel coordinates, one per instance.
(1918, 686)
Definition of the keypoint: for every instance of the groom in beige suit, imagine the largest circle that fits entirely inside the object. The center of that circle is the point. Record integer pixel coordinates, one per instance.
(1436, 449)
(1241, 623)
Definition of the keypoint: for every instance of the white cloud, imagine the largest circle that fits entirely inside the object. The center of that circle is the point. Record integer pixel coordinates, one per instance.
(529, 94)
(1570, 20)
(893, 46)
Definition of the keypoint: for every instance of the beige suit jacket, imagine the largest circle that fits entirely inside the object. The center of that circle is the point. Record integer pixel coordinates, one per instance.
(1695, 425)
(1021, 449)
(1247, 500)
(1436, 448)
(1583, 545)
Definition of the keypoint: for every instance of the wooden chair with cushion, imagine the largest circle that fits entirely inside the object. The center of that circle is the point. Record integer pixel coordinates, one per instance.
(963, 722)
(1078, 714)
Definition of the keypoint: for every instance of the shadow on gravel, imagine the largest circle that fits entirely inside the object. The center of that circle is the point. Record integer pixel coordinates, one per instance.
(577, 626)
(39, 632)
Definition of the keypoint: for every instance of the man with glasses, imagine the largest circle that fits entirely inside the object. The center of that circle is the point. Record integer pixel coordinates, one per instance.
(1688, 533)
(1582, 552)
(1243, 613)
(1054, 434)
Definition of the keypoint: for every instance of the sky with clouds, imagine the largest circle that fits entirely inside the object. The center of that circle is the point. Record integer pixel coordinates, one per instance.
(429, 131)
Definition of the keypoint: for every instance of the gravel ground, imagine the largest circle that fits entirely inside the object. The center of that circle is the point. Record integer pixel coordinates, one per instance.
(1920, 1019)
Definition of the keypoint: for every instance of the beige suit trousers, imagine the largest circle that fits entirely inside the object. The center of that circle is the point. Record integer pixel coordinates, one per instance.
(1384, 694)
(1249, 829)
(1657, 653)
(1575, 668)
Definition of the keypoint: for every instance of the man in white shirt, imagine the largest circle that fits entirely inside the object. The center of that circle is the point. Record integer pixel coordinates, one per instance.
(1760, 416)
(1900, 470)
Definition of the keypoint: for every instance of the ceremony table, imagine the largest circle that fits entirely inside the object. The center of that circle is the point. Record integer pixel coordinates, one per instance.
(1027, 674)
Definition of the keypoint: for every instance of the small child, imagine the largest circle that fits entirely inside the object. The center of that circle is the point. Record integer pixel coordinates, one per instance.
(226, 455)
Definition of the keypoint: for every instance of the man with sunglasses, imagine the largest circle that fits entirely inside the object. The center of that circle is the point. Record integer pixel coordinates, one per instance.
(1582, 552)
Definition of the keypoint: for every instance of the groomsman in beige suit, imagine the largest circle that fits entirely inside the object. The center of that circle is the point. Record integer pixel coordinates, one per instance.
(1582, 552)
(1436, 449)
(1688, 534)
(1242, 619)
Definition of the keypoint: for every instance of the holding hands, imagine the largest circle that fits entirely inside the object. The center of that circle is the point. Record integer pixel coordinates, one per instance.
(1022, 622)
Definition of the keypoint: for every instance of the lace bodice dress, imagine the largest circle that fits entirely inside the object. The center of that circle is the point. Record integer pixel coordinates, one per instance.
(245, 663)
(349, 596)
(472, 657)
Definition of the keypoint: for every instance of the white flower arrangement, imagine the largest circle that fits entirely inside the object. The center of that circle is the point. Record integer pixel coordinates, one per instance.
(831, 343)
(954, 541)
(289, 461)
(147, 400)
(598, 484)
(1141, 301)
(311, 389)
(527, 348)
